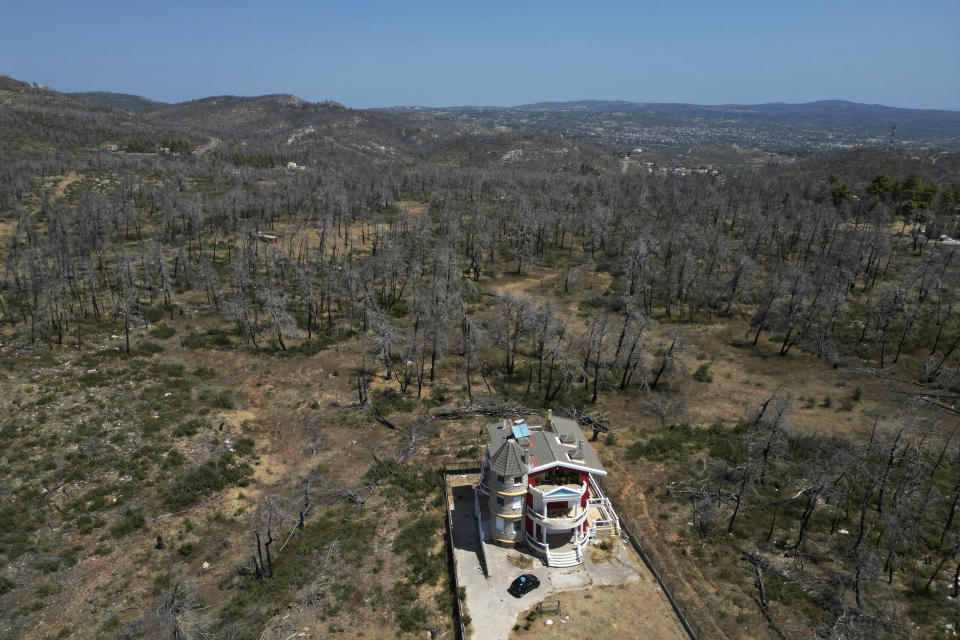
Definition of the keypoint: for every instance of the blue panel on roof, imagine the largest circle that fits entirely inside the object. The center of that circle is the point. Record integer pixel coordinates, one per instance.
(520, 431)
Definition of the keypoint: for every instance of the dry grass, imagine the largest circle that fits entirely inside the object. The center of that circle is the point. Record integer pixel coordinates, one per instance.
(520, 561)
(622, 612)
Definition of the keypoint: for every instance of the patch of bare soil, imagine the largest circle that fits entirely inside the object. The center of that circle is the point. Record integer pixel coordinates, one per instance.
(62, 183)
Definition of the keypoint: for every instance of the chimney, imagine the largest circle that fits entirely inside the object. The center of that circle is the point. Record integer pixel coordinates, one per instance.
(549, 417)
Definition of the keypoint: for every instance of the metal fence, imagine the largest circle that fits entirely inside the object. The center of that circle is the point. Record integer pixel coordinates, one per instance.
(666, 583)
(456, 468)
(549, 607)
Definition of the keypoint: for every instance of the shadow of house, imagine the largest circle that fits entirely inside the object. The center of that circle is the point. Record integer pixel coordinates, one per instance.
(466, 532)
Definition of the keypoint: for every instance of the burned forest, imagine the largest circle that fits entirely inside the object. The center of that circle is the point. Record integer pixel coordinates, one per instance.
(239, 337)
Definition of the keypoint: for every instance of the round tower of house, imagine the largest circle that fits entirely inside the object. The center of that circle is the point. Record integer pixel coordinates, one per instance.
(507, 481)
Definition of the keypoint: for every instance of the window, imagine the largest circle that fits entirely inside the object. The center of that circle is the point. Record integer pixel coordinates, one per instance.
(499, 524)
(499, 501)
(516, 526)
(517, 502)
(517, 480)
(499, 478)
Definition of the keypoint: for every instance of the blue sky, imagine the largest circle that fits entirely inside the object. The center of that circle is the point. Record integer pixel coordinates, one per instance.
(381, 53)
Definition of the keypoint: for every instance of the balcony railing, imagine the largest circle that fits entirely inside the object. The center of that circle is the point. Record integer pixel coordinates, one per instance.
(564, 521)
(544, 489)
(605, 507)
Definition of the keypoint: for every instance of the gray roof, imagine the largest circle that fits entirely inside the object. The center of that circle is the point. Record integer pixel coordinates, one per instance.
(508, 459)
(543, 449)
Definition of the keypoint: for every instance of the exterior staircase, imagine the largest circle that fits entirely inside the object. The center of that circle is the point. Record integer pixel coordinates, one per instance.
(564, 558)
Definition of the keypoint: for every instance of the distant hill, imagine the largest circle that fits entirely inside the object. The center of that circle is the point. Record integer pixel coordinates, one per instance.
(261, 115)
(112, 100)
(582, 136)
(12, 84)
(831, 113)
(775, 127)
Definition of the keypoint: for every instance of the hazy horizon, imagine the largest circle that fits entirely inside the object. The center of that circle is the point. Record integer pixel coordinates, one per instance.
(379, 54)
(491, 106)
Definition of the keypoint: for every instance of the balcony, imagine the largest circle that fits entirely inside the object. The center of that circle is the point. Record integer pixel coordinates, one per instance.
(558, 517)
(558, 491)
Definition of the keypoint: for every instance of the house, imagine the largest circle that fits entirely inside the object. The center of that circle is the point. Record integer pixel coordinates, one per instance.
(538, 490)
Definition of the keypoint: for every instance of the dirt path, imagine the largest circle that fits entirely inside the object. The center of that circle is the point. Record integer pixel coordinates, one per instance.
(213, 142)
(633, 494)
(65, 182)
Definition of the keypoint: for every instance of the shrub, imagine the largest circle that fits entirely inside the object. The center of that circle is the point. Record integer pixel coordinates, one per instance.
(403, 592)
(614, 304)
(161, 582)
(414, 540)
(416, 535)
(186, 489)
(155, 314)
(174, 459)
(309, 347)
(205, 373)
(702, 374)
(193, 341)
(244, 447)
(188, 428)
(147, 348)
(670, 446)
(440, 394)
(218, 338)
(412, 619)
(131, 521)
(217, 400)
(389, 401)
(162, 332)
